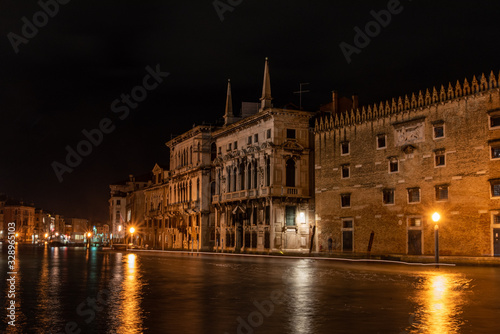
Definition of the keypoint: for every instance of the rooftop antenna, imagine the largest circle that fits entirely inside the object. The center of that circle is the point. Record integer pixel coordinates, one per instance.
(300, 93)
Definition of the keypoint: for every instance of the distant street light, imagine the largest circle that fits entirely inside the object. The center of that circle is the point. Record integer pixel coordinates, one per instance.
(435, 218)
(132, 230)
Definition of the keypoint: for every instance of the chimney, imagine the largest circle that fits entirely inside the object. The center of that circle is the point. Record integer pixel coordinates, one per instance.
(335, 102)
(355, 104)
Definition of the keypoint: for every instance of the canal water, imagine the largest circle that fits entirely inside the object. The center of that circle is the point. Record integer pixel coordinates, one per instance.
(75, 290)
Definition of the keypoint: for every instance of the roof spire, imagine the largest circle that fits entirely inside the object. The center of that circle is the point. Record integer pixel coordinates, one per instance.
(266, 88)
(228, 114)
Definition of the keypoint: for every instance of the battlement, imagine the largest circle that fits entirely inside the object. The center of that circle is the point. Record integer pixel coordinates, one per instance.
(406, 104)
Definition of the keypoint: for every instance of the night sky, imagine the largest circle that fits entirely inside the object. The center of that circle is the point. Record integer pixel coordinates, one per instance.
(65, 79)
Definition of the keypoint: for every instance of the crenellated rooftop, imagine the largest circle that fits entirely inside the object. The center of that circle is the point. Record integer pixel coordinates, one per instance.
(408, 103)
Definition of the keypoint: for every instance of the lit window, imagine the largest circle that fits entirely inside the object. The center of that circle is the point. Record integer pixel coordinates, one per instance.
(344, 148)
(414, 222)
(393, 166)
(495, 188)
(388, 196)
(381, 141)
(439, 159)
(438, 131)
(290, 133)
(442, 192)
(495, 151)
(413, 195)
(345, 200)
(345, 171)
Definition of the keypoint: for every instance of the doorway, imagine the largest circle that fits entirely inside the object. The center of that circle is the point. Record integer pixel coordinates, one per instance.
(496, 241)
(414, 242)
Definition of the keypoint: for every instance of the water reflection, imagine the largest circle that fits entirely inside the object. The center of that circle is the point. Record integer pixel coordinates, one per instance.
(298, 286)
(130, 316)
(441, 298)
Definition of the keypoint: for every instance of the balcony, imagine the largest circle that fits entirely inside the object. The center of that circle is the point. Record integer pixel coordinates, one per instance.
(256, 193)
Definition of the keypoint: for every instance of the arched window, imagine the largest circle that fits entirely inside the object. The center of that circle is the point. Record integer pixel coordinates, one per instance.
(268, 171)
(234, 178)
(191, 155)
(249, 176)
(213, 152)
(228, 189)
(290, 173)
(242, 176)
(190, 191)
(255, 174)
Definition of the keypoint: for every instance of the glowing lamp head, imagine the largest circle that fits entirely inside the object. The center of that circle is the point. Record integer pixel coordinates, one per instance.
(17, 234)
(46, 235)
(132, 230)
(89, 234)
(435, 217)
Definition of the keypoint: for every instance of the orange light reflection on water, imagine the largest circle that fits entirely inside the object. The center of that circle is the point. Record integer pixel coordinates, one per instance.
(130, 313)
(440, 298)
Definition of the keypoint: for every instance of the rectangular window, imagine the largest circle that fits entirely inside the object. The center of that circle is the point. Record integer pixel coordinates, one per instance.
(415, 222)
(438, 131)
(494, 121)
(345, 171)
(381, 142)
(268, 215)
(347, 223)
(345, 200)
(235, 145)
(439, 159)
(495, 188)
(388, 196)
(344, 148)
(442, 192)
(495, 151)
(118, 202)
(496, 219)
(256, 138)
(413, 195)
(249, 141)
(220, 150)
(290, 133)
(393, 166)
(290, 215)
(268, 134)
(229, 147)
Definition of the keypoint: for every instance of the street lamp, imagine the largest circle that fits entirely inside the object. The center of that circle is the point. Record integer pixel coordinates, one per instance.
(132, 230)
(435, 218)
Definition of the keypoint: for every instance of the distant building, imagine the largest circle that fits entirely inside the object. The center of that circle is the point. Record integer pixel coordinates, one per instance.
(385, 169)
(23, 215)
(77, 230)
(118, 204)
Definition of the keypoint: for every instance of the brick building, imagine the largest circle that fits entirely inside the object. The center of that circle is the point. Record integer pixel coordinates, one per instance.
(387, 168)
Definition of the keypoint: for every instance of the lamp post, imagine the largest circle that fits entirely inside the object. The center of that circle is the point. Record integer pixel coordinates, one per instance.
(435, 218)
(89, 235)
(132, 230)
